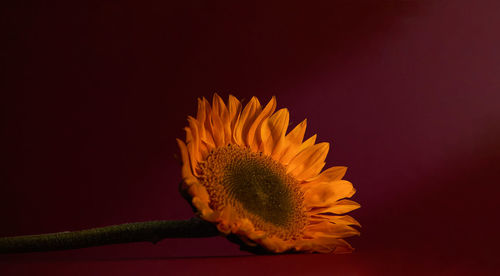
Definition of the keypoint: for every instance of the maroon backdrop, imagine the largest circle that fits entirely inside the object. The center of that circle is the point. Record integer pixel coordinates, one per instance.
(407, 92)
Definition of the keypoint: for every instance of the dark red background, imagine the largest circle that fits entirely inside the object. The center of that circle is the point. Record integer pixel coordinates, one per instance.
(408, 93)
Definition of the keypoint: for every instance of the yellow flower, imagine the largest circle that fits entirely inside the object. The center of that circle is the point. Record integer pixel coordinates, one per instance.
(253, 180)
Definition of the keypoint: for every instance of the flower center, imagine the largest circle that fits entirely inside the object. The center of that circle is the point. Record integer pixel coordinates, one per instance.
(257, 187)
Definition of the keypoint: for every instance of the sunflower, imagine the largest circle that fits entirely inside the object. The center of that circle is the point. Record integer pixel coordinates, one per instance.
(253, 180)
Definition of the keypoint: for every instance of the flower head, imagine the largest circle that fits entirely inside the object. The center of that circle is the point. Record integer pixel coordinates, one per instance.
(244, 173)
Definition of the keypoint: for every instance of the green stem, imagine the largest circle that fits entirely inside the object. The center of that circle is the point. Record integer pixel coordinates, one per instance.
(149, 231)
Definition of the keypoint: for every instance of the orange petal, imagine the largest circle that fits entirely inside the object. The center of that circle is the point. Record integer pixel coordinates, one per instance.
(204, 209)
(275, 130)
(205, 124)
(245, 120)
(189, 136)
(309, 142)
(296, 136)
(201, 115)
(193, 146)
(268, 110)
(326, 194)
(340, 207)
(322, 245)
(227, 220)
(292, 142)
(330, 174)
(343, 249)
(309, 162)
(186, 171)
(218, 130)
(275, 244)
(234, 112)
(297, 149)
(345, 220)
(327, 229)
(198, 190)
(280, 144)
(220, 107)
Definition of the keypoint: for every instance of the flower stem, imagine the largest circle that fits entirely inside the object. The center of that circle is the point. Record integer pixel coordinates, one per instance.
(148, 231)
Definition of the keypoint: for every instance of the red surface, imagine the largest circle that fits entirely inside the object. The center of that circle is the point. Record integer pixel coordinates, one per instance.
(408, 92)
(382, 263)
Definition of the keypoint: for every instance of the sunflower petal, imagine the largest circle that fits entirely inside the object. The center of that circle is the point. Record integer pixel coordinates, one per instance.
(296, 150)
(205, 124)
(246, 118)
(323, 245)
(327, 229)
(220, 108)
(187, 174)
(277, 125)
(296, 136)
(193, 146)
(275, 244)
(326, 194)
(266, 112)
(234, 113)
(292, 142)
(342, 249)
(308, 143)
(330, 174)
(309, 162)
(204, 209)
(189, 136)
(340, 207)
(345, 220)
